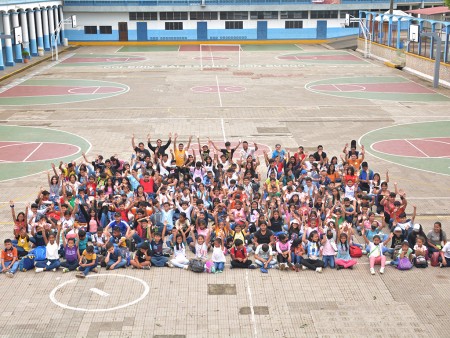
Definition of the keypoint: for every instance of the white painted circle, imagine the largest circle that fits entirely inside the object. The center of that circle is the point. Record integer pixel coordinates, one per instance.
(68, 307)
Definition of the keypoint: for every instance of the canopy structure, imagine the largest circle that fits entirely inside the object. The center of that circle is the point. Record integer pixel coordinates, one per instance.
(396, 14)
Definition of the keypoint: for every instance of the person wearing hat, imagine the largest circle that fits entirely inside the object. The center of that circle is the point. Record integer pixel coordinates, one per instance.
(397, 240)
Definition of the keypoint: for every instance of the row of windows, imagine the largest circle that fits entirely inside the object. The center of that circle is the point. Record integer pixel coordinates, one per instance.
(240, 15)
(178, 26)
(93, 29)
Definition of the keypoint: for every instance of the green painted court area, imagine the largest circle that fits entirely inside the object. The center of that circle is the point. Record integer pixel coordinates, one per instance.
(83, 60)
(424, 146)
(47, 146)
(389, 88)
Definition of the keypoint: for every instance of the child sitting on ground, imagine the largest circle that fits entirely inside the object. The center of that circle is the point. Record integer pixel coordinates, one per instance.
(71, 254)
(9, 259)
(343, 258)
(239, 255)
(313, 252)
(88, 262)
(376, 251)
(264, 257)
(142, 257)
(283, 248)
(179, 253)
(297, 253)
(420, 253)
(113, 257)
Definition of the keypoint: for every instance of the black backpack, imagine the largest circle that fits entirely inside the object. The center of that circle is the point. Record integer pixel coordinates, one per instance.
(196, 265)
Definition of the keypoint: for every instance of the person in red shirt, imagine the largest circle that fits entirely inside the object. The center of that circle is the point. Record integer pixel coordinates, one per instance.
(239, 255)
(147, 183)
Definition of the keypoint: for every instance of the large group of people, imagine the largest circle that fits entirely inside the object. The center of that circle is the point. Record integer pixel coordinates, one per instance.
(172, 205)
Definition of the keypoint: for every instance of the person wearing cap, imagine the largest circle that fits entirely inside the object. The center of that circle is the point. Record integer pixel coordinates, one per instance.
(397, 240)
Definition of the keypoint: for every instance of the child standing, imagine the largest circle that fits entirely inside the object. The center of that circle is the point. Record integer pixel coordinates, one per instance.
(88, 262)
(283, 248)
(218, 256)
(376, 251)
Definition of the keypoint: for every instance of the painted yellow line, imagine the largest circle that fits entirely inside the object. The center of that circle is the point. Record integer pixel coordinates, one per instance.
(177, 43)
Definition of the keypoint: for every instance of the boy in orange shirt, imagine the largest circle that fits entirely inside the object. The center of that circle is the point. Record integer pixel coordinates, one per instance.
(9, 261)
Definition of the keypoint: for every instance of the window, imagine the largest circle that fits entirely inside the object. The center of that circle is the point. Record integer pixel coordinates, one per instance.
(90, 29)
(263, 15)
(105, 29)
(174, 26)
(294, 15)
(293, 24)
(204, 15)
(173, 16)
(143, 16)
(233, 15)
(234, 24)
(324, 14)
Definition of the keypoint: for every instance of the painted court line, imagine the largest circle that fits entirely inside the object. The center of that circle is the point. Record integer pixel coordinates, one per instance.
(250, 303)
(223, 130)
(99, 292)
(96, 90)
(426, 155)
(218, 91)
(39, 145)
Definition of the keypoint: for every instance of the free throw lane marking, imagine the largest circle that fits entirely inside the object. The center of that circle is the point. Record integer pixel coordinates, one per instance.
(99, 292)
(26, 158)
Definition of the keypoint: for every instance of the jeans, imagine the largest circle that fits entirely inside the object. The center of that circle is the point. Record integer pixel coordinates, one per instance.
(87, 269)
(296, 259)
(328, 260)
(71, 265)
(121, 264)
(54, 264)
(219, 266)
(14, 267)
(159, 261)
(270, 265)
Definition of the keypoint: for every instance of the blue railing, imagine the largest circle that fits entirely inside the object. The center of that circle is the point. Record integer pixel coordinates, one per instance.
(217, 2)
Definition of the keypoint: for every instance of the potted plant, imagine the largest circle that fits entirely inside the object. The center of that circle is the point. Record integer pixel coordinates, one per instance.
(25, 56)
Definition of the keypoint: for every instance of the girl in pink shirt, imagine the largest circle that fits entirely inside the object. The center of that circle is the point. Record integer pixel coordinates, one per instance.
(283, 247)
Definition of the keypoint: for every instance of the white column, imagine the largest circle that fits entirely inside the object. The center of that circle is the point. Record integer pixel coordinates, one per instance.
(61, 17)
(32, 26)
(2, 65)
(8, 43)
(17, 47)
(56, 15)
(51, 26)
(45, 29)
(39, 34)
(24, 24)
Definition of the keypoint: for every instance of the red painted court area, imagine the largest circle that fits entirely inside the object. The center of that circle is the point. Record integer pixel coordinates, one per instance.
(404, 87)
(81, 59)
(436, 147)
(34, 151)
(24, 90)
(205, 48)
(343, 57)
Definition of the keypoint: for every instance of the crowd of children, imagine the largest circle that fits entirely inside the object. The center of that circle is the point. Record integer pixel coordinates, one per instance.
(293, 212)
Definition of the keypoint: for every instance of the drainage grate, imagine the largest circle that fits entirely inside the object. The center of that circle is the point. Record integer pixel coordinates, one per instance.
(221, 289)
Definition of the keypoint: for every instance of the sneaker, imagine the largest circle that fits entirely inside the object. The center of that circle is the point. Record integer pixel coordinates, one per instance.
(304, 268)
(213, 269)
(372, 271)
(381, 270)
(252, 267)
(80, 275)
(290, 265)
(9, 274)
(350, 267)
(364, 252)
(186, 267)
(297, 266)
(389, 262)
(441, 265)
(319, 270)
(146, 267)
(65, 270)
(263, 270)
(275, 266)
(170, 265)
(219, 271)
(282, 266)
(54, 269)
(94, 270)
(39, 269)
(338, 267)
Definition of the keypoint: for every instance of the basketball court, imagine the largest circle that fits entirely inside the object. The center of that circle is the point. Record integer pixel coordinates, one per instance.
(96, 98)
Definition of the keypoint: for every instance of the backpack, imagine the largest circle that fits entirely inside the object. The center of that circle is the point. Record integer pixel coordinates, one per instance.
(404, 264)
(435, 259)
(355, 252)
(26, 263)
(420, 262)
(39, 253)
(196, 265)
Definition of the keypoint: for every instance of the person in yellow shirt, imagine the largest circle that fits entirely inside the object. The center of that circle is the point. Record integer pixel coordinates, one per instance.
(23, 243)
(88, 262)
(180, 152)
